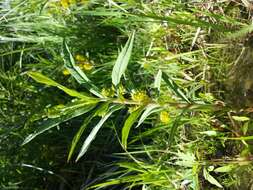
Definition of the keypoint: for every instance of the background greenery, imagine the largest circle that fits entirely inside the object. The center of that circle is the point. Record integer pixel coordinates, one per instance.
(130, 94)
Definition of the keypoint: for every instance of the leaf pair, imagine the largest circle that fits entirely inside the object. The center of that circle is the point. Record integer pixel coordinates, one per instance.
(94, 131)
(122, 60)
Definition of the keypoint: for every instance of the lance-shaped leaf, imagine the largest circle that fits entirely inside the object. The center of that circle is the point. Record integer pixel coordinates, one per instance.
(95, 130)
(174, 87)
(53, 122)
(77, 73)
(122, 60)
(128, 124)
(158, 78)
(211, 179)
(87, 120)
(150, 108)
(45, 80)
(78, 135)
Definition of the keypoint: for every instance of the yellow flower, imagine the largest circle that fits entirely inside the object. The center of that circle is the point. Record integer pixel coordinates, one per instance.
(64, 3)
(83, 62)
(164, 117)
(72, 2)
(139, 96)
(108, 92)
(65, 72)
(86, 66)
(80, 58)
(122, 90)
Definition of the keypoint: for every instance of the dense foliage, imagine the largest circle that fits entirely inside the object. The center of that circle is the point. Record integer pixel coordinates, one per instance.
(130, 94)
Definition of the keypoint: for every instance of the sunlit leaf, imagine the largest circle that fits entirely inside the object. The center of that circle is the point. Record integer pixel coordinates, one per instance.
(225, 169)
(211, 179)
(150, 108)
(240, 118)
(128, 124)
(95, 130)
(100, 112)
(45, 80)
(158, 78)
(122, 60)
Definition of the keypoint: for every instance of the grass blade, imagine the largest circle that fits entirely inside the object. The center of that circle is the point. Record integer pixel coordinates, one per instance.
(158, 78)
(174, 87)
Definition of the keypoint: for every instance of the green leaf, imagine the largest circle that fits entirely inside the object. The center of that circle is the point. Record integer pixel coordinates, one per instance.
(77, 73)
(209, 133)
(122, 60)
(78, 135)
(53, 122)
(150, 108)
(97, 112)
(174, 127)
(245, 138)
(211, 179)
(225, 169)
(174, 87)
(158, 79)
(95, 130)
(45, 80)
(128, 124)
(240, 118)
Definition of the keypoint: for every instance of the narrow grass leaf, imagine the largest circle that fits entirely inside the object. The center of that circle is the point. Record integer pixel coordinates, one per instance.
(122, 60)
(174, 128)
(128, 124)
(174, 87)
(245, 138)
(158, 79)
(95, 130)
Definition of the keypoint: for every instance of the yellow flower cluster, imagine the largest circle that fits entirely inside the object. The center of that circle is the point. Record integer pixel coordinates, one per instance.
(139, 96)
(83, 63)
(65, 72)
(108, 92)
(67, 3)
(164, 117)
